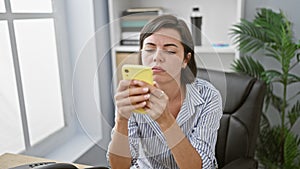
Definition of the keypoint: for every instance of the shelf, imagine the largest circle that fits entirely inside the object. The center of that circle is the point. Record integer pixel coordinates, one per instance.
(218, 18)
(198, 49)
(211, 49)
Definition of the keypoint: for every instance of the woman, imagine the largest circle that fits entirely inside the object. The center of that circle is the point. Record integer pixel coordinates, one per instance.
(183, 112)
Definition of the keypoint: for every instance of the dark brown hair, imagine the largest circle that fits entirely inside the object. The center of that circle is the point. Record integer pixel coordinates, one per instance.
(188, 74)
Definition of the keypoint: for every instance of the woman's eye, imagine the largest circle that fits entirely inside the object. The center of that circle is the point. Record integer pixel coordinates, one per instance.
(170, 52)
(149, 50)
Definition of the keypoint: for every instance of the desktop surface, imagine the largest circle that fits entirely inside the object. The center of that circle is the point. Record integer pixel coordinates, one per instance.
(9, 160)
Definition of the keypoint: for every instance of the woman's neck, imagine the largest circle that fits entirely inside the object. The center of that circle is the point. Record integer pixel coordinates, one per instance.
(176, 94)
(174, 90)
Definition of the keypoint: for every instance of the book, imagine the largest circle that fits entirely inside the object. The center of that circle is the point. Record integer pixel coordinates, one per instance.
(130, 42)
(136, 23)
(130, 35)
(143, 11)
(131, 29)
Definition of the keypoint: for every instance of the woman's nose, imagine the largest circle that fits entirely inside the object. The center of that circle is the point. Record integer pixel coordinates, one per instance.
(158, 56)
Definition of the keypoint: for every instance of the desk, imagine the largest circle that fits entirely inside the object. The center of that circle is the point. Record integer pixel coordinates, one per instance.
(8, 160)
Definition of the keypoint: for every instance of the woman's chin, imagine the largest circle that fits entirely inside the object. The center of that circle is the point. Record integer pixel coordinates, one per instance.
(157, 78)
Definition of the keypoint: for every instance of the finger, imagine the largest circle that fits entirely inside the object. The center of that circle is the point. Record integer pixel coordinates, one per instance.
(123, 85)
(157, 93)
(131, 92)
(125, 111)
(132, 100)
(139, 83)
(155, 106)
(131, 107)
(138, 91)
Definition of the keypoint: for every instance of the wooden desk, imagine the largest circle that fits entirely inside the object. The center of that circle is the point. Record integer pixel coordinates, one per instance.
(12, 160)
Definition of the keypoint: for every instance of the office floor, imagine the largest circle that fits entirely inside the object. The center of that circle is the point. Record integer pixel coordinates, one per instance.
(96, 156)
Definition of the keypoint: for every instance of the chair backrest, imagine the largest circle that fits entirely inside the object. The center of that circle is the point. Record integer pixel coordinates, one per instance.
(242, 97)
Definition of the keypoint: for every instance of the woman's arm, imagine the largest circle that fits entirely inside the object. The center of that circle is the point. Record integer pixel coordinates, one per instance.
(130, 95)
(119, 152)
(184, 153)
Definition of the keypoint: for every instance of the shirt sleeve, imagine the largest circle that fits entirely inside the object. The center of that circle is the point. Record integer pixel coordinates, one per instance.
(204, 133)
(133, 137)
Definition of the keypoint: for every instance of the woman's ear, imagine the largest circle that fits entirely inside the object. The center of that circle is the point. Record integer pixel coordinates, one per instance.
(186, 60)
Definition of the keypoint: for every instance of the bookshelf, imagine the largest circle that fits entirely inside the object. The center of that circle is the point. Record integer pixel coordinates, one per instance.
(218, 17)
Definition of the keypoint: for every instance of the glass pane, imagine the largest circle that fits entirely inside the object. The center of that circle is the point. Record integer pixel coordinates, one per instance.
(40, 76)
(11, 136)
(34, 6)
(2, 6)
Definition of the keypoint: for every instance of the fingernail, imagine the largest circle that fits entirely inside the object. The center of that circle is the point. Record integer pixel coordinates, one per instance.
(146, 89)
(147, 96)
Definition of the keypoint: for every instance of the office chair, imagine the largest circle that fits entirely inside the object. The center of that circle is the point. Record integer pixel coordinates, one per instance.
(242, 97)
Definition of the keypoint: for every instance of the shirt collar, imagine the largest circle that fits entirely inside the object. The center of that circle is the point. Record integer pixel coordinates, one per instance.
(192, 100)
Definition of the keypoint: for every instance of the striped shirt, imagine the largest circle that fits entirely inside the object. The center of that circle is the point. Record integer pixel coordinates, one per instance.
(198, 118)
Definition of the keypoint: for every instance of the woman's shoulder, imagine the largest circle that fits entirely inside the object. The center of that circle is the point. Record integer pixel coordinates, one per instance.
(202, 85)
(204, 89)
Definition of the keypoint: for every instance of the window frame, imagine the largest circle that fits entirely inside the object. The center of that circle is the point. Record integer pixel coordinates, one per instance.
(46, 145)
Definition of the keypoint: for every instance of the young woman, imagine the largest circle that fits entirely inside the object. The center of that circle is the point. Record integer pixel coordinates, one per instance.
(180, 127)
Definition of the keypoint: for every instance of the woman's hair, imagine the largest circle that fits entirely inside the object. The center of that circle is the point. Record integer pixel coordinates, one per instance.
(189, 73)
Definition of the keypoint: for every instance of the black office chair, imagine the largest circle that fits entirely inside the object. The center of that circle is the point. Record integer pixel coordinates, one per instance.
(242, 97)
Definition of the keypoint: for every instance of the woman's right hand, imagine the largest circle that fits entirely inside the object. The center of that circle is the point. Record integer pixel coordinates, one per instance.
(130, 95)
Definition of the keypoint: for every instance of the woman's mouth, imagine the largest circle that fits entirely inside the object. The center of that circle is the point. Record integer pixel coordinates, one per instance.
(157, 69)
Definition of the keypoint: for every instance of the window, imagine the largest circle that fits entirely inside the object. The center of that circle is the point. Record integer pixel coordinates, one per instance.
(2, 7)
(31, 89)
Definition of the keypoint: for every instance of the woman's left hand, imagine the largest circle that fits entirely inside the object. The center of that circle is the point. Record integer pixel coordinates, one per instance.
(157, 104)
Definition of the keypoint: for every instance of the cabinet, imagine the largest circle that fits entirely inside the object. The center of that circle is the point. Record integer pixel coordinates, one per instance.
(218, 18)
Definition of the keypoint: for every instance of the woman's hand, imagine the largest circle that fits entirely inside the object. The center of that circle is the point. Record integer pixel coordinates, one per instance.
(130, 95)
(157, 103)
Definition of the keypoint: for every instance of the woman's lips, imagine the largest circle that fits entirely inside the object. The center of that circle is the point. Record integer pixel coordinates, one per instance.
(157, 69)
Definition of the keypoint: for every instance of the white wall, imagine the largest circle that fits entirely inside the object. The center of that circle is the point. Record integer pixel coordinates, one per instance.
(90, 52)
(81, 31)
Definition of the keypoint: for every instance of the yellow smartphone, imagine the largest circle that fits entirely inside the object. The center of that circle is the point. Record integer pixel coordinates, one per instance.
(138, 72)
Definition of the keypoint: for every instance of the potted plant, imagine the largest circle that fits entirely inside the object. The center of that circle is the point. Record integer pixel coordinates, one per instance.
(270, 33)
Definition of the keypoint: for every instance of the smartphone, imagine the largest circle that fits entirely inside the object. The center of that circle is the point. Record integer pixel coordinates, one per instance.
(138, 72)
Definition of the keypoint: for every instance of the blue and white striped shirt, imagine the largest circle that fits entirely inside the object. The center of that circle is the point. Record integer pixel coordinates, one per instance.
(199, 119)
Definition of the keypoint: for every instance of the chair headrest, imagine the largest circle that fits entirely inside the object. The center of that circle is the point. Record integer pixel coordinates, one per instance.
(234, 87)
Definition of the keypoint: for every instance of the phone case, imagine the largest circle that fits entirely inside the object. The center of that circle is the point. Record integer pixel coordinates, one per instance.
(138, 72)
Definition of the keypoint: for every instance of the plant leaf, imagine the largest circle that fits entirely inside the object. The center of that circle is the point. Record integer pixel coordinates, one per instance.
(291, 150)
(267, 153)
(293, 78)
(249, 66)
(271, 22)
(247, 36)
(272, 75)
(294, 113)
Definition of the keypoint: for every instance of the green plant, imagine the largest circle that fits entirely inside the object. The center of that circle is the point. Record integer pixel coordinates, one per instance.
(270, 32)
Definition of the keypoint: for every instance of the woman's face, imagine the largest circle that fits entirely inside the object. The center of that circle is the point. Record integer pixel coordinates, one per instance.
(164, 52)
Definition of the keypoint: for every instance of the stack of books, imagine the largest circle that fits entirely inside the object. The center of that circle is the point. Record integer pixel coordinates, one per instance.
(132, 22)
